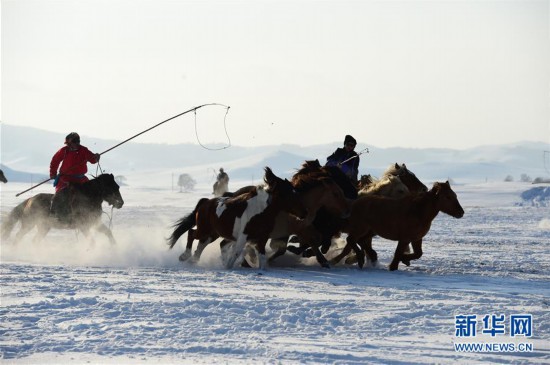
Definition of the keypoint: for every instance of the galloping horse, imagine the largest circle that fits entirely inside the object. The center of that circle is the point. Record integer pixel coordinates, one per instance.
(2, 177)
(317, 192)
(314, 194)
(86, 200)
(325, 217)
(406, 220)
(397, 181)
(246, 217)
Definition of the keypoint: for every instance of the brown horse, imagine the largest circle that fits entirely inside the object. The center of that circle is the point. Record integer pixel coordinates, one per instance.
(86, 200)
(316, 192)
(246, 217)
(405, 220)
(2, 177)
(397, 181)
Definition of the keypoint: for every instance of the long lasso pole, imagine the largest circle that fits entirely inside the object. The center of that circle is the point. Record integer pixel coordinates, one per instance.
(366, 150)
(129, 139)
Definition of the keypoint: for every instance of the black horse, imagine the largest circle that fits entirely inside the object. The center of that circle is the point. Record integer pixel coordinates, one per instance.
(85, 201)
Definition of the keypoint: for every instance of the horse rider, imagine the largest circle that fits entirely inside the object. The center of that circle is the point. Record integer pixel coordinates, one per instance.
(346, 158)
(73, 170)
(221, 184)
(222, 176)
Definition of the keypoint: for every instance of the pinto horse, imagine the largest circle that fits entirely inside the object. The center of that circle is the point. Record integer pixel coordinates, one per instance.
(405, 220)
(86, 200)
(314, 194)
(246, 217)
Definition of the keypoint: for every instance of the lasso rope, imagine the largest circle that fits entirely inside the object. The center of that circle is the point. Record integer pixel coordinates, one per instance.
(147, 130)
(224, 127)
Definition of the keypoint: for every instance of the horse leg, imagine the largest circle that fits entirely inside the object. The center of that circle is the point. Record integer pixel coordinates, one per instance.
(230, 251)
(279, 246)
(106, 231)
(347, 249)
(398, 255)
(326, 243)
(23, 230)
(417, 253)
(198, 252)
(42, 231)
(189, 247)
(255, 254)
(366, 245)
(259, 251)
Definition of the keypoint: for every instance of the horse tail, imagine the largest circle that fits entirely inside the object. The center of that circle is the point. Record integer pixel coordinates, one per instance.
(15, 215)
(185, 224)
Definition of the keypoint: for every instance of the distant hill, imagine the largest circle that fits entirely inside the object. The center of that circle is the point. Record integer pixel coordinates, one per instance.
(27, 152)
(20, 176)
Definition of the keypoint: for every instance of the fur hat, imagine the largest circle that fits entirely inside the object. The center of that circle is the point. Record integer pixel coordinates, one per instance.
(349, 139)
(72, 137)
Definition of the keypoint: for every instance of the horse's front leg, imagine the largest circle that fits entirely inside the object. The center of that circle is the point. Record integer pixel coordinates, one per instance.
(279, 246)
(417, 253)
(310, 236)
(366, 245)
(105, 230)
(42, 231)
(232, 250)
(350, 245)
(398, 255)
(25, 228)
(259, 248)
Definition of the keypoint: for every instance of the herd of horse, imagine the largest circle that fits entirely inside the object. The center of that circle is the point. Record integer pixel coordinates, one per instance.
(318, 204)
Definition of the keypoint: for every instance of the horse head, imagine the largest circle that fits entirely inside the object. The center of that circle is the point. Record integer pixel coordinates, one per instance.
(365, 181)
(447, 200)
(110, 191)
(282, 193)
(407, 177)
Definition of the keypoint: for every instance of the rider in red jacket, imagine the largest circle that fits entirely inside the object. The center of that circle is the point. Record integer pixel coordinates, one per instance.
(73, 170)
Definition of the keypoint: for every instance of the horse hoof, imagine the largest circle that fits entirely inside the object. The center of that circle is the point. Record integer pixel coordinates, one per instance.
(351, 260)
(406, 262)
(325, 265)
(184, 256)
(393, 267)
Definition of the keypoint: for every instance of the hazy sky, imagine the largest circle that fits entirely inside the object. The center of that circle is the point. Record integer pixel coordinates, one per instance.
(413, 73)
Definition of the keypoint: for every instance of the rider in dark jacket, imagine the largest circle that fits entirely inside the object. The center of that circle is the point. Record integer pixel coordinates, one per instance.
(346, 158)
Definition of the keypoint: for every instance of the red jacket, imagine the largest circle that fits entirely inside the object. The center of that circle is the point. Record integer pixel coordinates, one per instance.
(74, 166)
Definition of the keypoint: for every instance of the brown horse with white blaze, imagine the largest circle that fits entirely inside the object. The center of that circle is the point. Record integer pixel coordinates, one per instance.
(406, 220)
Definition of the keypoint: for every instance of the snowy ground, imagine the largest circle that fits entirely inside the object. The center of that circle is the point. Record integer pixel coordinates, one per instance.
(68, 301)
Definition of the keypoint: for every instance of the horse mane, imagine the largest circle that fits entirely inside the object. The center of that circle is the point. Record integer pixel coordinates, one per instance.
(311, 172)
(386, 185)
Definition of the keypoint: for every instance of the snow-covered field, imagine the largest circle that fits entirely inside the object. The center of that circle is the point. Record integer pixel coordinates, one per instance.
(65, 300)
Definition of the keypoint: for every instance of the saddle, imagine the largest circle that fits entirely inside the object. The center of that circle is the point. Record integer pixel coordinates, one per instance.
(61, 205)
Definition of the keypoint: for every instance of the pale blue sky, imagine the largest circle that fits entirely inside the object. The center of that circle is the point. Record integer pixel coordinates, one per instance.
(412, 73)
